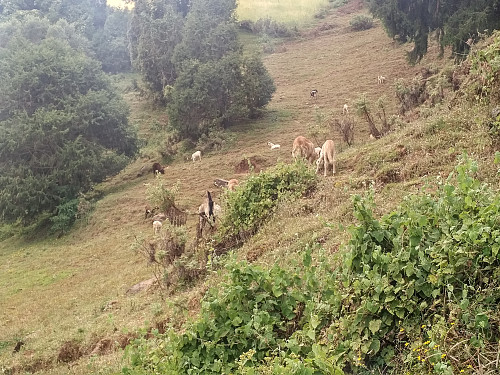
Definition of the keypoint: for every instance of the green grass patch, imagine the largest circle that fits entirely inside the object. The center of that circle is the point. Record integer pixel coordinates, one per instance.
(294, 12)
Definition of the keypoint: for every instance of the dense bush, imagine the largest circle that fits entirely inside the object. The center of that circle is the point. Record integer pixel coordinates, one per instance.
(252, 203)
(435, 259)
(262, 320)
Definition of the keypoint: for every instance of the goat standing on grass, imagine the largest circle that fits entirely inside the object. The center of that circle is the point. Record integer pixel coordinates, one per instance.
(381, 79)
(157, 227)
(327, 157)
(158, 168)
(314, 94)
(345, 109)
(196, 156)
(206, 213)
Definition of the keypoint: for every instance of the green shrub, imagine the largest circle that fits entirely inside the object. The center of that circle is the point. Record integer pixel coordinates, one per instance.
(252, 203)
(259, 319)
(65, 216)
(435, 258)
(360, 22)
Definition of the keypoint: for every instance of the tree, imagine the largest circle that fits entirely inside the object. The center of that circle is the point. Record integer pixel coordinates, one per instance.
(156, 28)
(191, 59)
(457, 22)
(62, 126)
(111, 44)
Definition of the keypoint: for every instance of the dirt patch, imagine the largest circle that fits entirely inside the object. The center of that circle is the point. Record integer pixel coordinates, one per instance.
(70, 351)
(253, 163)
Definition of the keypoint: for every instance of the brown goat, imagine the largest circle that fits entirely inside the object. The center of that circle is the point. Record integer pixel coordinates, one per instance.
(302, 147)
(158, 168)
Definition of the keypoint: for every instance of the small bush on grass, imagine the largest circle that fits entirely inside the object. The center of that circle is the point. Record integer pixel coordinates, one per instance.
(251, 204)
(360, 22)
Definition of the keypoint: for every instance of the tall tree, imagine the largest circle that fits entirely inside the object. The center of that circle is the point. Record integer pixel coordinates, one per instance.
(457, 22)
(62, 126)
(156, 28)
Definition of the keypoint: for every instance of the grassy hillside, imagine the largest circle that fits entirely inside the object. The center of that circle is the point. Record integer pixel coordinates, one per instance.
(65, 299)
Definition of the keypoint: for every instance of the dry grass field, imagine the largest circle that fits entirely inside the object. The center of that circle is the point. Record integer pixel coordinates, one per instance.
(67, 297)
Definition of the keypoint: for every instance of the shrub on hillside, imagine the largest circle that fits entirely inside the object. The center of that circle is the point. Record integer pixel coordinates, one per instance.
(361, 22)
(434, 260)
(252, 203)
(259, 319)
(272, 28)
(411, 93)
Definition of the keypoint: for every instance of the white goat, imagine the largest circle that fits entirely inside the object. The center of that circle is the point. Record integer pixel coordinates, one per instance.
(273, 146)
(381, 79)
(345, 109)
(196, 156)
(317, 151)
(157, 226)
(327, 157)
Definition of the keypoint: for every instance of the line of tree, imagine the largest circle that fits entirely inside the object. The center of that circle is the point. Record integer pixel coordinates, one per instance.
(190, 58)
(457, 23)
(63, 127)
(104, 26)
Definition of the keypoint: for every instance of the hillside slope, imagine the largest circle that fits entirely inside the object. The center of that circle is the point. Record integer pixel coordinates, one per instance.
(63, 297)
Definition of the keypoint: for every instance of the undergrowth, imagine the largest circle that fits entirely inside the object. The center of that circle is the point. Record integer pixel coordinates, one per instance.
(415, 292)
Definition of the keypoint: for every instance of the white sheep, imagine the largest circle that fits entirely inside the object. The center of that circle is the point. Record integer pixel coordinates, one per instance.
(273, 146)
(345, 109)
(381, 79)
(327, 157)
(196, 156)
(157, 226)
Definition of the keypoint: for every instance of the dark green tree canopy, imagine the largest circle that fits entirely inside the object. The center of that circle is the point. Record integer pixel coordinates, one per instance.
(62, 125)
(105, 27)
(457, 22)
(191, 59)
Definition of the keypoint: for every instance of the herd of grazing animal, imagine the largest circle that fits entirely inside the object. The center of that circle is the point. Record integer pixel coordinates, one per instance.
(208, 211)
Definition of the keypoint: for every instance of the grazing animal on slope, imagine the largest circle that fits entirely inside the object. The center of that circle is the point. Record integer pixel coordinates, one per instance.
(158, 168)
(327, 157)
(273, 146)
(345, 109)
(380, 79)
(206, 213)
(302, 147)
(196, 156)
(314, 93)
(157, 226)
(232, 183)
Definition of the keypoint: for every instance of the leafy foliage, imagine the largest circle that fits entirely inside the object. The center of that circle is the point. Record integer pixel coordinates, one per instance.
(420, 264)
(244, 323)
(455, 21)
(252, 203)
(62, 126)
